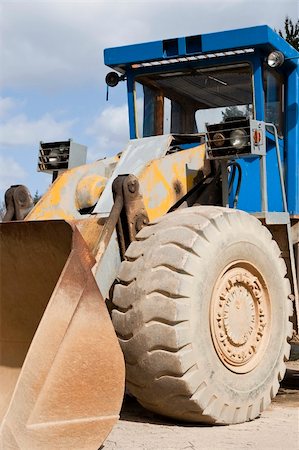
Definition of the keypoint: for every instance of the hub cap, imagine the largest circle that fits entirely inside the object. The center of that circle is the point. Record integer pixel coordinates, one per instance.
(240, 317)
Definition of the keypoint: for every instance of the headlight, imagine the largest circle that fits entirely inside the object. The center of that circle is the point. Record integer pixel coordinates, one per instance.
(275, 59)
(57, 156)
(54, 157)
(60, 156)
(238, 138)
(112, 79)
(218, 139)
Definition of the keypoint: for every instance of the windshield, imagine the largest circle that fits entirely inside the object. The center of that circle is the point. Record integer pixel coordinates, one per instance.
(182, 102)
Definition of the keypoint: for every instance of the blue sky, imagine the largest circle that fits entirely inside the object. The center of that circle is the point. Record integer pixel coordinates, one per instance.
(52, 71)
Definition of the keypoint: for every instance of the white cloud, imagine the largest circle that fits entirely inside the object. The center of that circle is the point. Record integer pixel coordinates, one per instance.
(50, 44)
(20, 130)
(7, 104)
(10, 173)
(110, 132)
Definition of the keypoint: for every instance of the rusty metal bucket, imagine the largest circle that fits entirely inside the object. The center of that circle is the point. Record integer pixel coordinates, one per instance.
(61, 368)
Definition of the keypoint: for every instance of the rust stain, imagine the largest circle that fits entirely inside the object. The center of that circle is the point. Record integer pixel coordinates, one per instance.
(178, 188)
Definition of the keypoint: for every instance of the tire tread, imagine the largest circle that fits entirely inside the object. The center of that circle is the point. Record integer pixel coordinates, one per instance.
(180, 389)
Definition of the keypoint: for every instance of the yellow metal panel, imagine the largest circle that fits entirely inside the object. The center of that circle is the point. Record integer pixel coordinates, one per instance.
(164, 181)
(88, 191)
(61, 201)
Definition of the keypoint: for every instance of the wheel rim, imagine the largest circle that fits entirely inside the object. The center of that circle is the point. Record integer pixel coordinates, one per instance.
(240, 317)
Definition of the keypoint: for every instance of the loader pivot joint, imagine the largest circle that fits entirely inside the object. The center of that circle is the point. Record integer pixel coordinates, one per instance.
(133, 215)
(18, 203)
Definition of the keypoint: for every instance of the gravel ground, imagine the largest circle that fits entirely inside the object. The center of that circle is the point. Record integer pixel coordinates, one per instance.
(277, 428)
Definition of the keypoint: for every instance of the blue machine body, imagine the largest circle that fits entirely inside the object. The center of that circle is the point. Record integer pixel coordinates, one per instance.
(248, 45)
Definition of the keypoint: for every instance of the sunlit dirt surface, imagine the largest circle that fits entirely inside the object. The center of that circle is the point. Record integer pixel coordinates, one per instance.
(277, 428)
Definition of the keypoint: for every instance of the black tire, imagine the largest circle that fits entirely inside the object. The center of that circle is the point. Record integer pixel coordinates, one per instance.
(166, 323)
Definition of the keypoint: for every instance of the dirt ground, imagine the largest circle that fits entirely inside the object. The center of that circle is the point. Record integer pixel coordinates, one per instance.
(277, 428)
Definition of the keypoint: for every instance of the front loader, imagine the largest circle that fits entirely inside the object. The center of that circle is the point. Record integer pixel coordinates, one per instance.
(188, 239)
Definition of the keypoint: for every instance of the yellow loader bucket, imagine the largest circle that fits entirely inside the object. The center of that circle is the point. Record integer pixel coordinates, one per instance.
(61, 368)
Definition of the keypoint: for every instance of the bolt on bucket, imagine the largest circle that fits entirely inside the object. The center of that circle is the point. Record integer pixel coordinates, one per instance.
(61, 368)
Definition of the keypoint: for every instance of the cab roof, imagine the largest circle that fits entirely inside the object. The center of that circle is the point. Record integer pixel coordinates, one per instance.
(237, 41)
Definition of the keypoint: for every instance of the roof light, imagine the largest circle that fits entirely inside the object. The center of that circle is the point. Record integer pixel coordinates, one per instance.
(275, 59)
(192, 58)
(112, 79)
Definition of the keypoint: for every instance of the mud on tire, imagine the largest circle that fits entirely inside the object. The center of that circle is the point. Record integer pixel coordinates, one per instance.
(202, 315)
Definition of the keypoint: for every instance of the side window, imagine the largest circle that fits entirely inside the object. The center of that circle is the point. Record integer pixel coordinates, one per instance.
(274, 89)
(153, 111)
